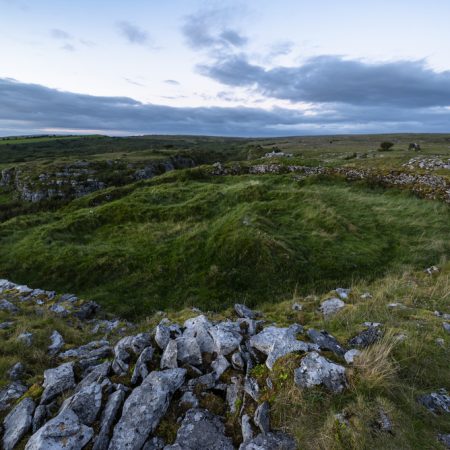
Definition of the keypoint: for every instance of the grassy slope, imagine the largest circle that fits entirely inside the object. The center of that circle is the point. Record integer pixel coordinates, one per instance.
(186, 239)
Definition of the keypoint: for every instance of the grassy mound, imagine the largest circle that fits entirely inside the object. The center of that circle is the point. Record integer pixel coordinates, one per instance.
(186, 239)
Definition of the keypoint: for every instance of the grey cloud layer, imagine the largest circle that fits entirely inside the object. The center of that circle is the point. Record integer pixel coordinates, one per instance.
(133, 33)
(208, 30)
(29, 108)
(332, 79)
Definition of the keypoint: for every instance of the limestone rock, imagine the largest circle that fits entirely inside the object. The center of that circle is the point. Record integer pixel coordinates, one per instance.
(201, 430)
(16, 372)
(315, 370)
(226, 337)
(270, 441)
(351, 355)
(17, 423)
(57, 381)
(108, 418)
(169, 357)
(244, 311)
(436, 402)
(57, 343)
(366, 337)
(85, 403)
(144, 409)
(140, 369)
(326, 341)
(63, 432)
(331, 306)
(262, 417)
(11, 392)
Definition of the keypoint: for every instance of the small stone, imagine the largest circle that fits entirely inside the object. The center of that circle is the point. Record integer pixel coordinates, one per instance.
(351, 355)
(246, 427)
(366, 337)
(315, 370)
(444, 439)
(189, 399)
(251, 387)
(226, 337)
(262, 417)
(201, 430)
(26, 338)
(234, 391)
(162, 336)
(237, 361)
(366, 296)
(326, 341)
(140, 369)
(5, 305)
(10, 393)
(220, 365)
(440, 342)
(331, 306)
(343, 293)
(169, 357)
(446, 326)
(436, 402)
(244, 312)
(16, 372)
(297, 307)
(57, 343)
(270, 441)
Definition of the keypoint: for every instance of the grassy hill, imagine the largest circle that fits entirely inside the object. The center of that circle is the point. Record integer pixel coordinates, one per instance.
(188, 238)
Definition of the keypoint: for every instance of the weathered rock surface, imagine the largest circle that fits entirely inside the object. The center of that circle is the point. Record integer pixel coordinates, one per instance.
(108, 418)
(57, 343)
(201, 430)
(11, 392)
(17, 423)
(436, 402)
(331, 306)
(226, 337)
(315, 370)
(326, 341)
(144, 408)
(85, 403)
(65, 431)
(16, 372)
(262, 417)
(140, 369)
(57, 381)
(244, 311)
(366, 337)
(270, 441)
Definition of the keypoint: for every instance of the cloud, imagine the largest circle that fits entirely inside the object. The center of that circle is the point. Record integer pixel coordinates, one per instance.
(135, 83)
(31, 108)
(333, 79)
(172, 82)
(132, 33)
(56, 33)
(68, 48)
(209, 29)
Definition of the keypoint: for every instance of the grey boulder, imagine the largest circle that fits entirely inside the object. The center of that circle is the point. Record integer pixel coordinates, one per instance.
(57, 343)
(144, 409)
(436, 402)
(331, 306)
(366, 337)
(226, 337)
(85, 403)
(315, 370)
(65, 431)
(11, 392)
(326, 341)
(244, 311)
(17, 423)
(108, 418)
(201, 430)
(57, 381)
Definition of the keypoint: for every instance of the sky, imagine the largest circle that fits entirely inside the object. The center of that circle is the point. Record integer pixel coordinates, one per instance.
(231, 68)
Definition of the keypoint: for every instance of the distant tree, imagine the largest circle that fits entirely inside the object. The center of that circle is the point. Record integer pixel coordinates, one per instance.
(386, 146)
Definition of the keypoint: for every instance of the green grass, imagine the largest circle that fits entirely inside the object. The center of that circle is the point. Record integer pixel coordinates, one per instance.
(185, 239)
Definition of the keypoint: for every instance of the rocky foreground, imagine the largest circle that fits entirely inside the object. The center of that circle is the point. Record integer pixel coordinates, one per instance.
(114, 395)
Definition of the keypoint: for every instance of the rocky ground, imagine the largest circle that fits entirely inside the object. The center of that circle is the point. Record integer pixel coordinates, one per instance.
(203, 383)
